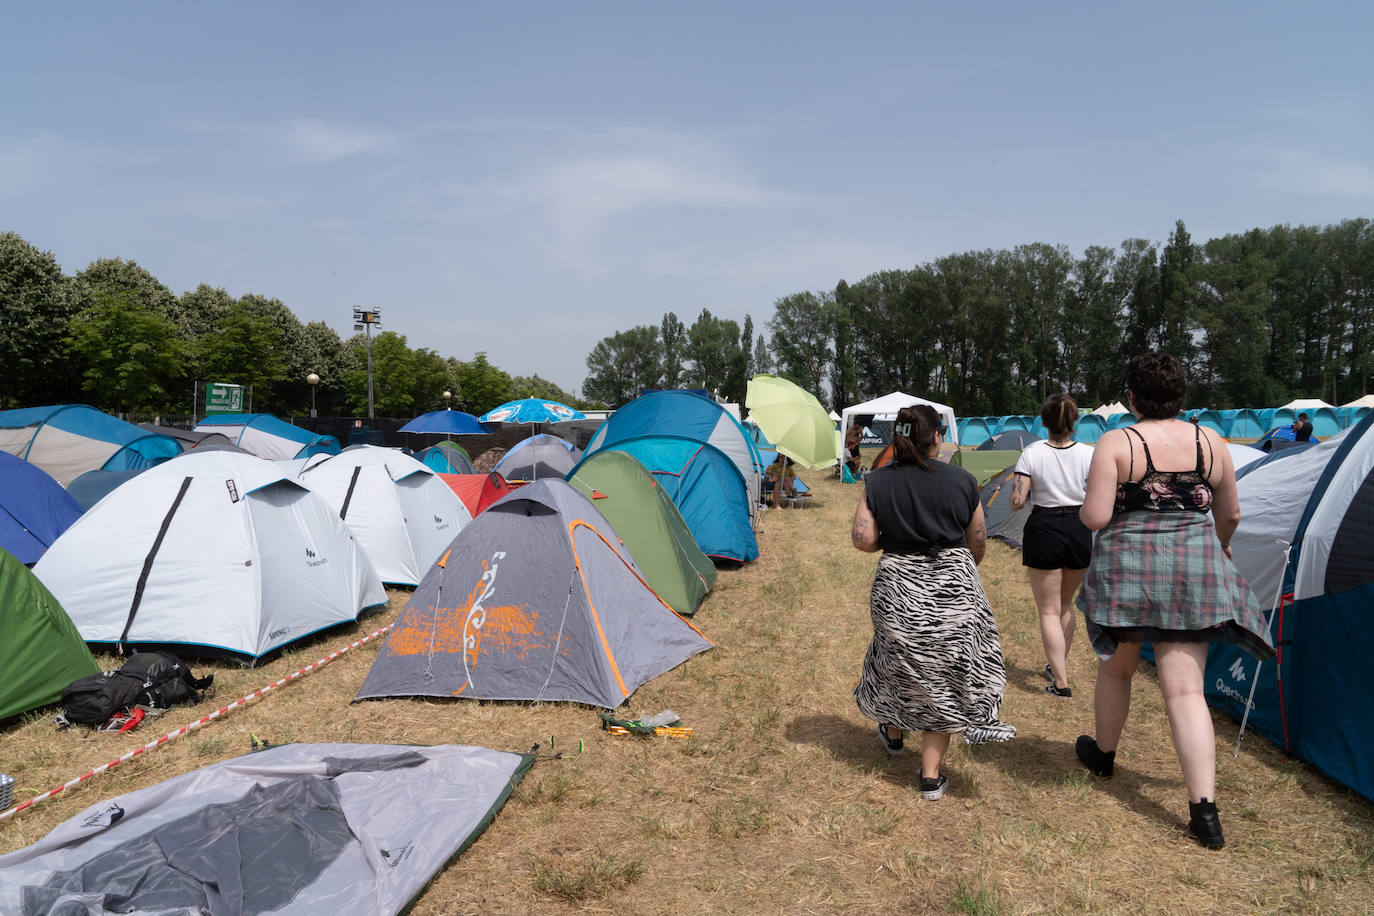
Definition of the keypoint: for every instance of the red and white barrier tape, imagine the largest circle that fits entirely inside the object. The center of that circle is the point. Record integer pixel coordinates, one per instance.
(186, 729)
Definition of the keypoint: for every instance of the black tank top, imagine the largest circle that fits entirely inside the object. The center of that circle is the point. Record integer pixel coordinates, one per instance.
(1165, 491)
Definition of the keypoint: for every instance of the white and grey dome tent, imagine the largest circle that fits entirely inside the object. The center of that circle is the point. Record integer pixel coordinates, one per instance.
(400, 511)
(215, 551)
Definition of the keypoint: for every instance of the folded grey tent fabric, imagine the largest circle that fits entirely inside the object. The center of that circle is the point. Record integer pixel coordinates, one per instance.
(306, 828)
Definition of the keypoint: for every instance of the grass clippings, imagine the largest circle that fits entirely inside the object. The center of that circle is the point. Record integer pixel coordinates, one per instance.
(784, 801)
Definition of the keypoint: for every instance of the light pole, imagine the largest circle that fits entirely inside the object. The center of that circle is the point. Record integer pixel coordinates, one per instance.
(363, 320)
(313, 381)
(448, 396)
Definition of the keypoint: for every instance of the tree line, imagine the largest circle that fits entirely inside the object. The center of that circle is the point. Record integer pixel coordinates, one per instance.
(1258, 318)
(115, 337)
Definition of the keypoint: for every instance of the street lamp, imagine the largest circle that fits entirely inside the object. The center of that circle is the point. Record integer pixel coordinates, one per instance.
(363, 320)
(313, 381)
(448, 396)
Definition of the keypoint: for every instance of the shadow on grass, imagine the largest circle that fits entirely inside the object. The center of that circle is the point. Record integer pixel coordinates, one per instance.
(1027, 759)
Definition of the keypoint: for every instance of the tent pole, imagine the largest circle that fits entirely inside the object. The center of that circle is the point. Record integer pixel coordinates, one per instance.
(1268, 624)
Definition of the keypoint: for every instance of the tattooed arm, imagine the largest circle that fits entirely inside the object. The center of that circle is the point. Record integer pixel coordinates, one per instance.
(1020, 489)
(977, 535)
(864, 534)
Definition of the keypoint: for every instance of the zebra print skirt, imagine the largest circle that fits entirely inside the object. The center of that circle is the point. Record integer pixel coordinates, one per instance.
(935, 663)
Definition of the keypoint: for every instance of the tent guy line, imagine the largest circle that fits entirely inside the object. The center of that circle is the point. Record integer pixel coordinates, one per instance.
(192, 726)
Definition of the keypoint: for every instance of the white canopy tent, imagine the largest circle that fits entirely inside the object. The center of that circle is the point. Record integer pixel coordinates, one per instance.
(1111, 410)
(1366, 401)
(886, 407)
(1305, 404)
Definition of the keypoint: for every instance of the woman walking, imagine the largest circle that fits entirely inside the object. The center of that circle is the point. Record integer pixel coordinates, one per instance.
(1161, 573)
(935, 662)
(1052, 475)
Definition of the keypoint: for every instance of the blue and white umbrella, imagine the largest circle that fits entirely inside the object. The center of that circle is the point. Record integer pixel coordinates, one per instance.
(531, 410)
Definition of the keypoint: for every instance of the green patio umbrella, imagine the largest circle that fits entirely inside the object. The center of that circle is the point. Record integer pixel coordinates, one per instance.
(793, 420)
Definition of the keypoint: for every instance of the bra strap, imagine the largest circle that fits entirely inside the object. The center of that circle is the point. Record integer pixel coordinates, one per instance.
(1149, 465)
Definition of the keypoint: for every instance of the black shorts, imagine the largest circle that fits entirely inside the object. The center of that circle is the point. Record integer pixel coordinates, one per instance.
(1056, 539)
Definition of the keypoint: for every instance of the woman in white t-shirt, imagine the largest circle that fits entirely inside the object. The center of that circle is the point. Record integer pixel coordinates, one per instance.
(1052, 476)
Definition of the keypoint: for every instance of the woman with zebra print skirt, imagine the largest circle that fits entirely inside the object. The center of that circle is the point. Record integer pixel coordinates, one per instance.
(935, 662)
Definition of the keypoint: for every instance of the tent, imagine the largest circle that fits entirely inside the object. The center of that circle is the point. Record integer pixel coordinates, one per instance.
(1242, 424)
(69, 439)
(1242, 455)
(1011, 441)
(688, 416)
(1279, 437)
(402, 514)
(1089, 428)
(707, 489)
(189, 438)
(644, 517)
(535, 600)
(40, 651)
(446, 458)
(1107, 411)
(267, 436)
(995, 495)
(542, 455)
(886, 407)
(1366, 401)
(215, 551)
(974, 431)
(34, 509)
(93, 486)
(1317, 701)
(346, 829)
(477, 491)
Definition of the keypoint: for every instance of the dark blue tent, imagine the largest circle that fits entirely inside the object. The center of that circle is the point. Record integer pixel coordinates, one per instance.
(34, 509)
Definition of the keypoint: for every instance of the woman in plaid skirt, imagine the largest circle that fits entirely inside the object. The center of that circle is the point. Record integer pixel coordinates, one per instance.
(1161, 573)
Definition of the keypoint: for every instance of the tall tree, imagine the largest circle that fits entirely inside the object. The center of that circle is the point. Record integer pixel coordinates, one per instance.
(325, 357)
(37, 304)
(712, 346)
(674, 342)
(1178, 280)
(623, 364)
(481, 386)
(803, 334)
(1102, 370)
(131, 353)
(248, 349)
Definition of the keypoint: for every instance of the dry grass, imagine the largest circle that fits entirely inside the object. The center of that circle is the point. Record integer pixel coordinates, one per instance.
(784, 802)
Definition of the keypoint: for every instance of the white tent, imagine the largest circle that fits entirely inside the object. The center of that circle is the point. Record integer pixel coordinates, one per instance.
(1111, 410)
(1366, 401)
(1306, 404)
(211, 549)
(886, 407)
(1241, 455)
(400, 511)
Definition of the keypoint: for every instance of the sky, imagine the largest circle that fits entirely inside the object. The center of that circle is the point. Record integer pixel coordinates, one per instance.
(525, 179)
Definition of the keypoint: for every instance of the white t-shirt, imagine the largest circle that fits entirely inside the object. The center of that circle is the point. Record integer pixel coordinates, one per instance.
(1059, 476)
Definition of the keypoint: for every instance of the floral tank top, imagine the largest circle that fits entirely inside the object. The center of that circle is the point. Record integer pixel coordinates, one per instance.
(1165, 491)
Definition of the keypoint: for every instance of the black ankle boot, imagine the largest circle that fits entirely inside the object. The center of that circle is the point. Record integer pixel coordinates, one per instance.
(1101, 763)
(1204, 824)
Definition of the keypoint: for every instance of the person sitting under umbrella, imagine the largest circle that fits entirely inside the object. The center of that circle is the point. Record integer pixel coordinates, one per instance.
(784, 471)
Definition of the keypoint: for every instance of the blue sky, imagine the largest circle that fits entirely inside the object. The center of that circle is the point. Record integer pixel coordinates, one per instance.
(527, 178)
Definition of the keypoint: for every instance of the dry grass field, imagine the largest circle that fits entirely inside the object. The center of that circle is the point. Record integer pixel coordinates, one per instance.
(784, 802)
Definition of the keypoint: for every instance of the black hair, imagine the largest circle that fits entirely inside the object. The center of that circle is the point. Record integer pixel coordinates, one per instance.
(1157, 383)
(913, 433)
(1060, 413)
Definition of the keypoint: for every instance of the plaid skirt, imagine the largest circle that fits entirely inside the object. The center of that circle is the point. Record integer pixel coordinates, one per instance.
(1162, 576)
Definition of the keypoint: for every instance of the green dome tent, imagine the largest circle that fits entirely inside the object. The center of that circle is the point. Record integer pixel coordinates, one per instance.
(40, 650)
(650, 525)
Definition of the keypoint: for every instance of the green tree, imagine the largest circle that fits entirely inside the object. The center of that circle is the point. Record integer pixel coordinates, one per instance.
(37, 304)
(674, 343)
(481, 386)
(1101, 368)
(623, 364)
(763, 360)
(247, 349)
(325, 356)
(131, 353)
(712, 348)
(394, 375)
(533, 386)
(803, 334)
(117, 277)
(1178, 288)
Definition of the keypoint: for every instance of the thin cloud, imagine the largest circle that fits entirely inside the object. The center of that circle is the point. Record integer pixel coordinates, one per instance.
(28, 160)
(313, 141)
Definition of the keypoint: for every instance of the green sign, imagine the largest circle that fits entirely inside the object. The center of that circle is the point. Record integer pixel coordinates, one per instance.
(222, 398)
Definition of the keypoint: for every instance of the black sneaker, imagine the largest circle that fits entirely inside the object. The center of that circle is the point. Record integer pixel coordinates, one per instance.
(932, 789)
(1204, 824)
(1054, 691)
(893, 746)
(1101, 763)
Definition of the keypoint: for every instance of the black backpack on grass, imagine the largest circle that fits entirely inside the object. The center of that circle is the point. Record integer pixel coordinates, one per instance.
(155, 679)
